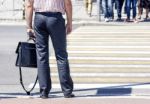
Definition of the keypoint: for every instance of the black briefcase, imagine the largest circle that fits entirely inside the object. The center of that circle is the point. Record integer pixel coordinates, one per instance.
(26, 55)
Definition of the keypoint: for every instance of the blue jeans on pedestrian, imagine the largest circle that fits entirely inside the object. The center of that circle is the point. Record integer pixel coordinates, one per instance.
(119, 4)
(108, 8)
(128, 8)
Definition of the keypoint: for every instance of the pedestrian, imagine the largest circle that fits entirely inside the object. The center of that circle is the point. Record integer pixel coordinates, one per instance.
(119, 5)
(128, 9)
(143, 4)
(48, 21)
(108, 10)
(88, 6)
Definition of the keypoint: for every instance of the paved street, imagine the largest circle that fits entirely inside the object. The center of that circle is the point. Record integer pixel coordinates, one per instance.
(110, 62)
(89, 100)
(108, 46)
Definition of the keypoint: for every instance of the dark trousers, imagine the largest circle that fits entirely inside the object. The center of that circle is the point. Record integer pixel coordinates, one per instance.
(119, 4)
(52, 24)
(129, 2)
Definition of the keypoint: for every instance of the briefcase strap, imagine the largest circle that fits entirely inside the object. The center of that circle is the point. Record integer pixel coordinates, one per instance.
(22, 84)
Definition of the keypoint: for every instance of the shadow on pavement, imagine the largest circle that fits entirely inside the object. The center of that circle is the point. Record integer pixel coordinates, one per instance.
(122, 90)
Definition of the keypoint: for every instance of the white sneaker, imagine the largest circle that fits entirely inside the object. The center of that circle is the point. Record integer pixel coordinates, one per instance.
(106, 20)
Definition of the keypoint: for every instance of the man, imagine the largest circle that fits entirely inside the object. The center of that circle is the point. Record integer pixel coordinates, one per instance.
(128, 9)
(119, 4)
(48, 21)
(88, 6)
(108, 10)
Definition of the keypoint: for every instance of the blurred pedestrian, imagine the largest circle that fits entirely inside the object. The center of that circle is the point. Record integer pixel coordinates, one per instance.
(88, 6)
(128, 9)
(48, 21)
(108, 10)
(119, 5)
(143, 4)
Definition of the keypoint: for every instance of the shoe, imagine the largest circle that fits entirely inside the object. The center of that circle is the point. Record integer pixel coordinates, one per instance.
(111, 19)
(69, 96)
(106, 20)
(118, 19)
(127, 20)
(44, 96)
(135, 21)
(89, 14)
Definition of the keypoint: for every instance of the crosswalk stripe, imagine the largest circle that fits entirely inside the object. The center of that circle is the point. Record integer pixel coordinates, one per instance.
(109, 46)
(111, 52)
(105, 66)
(109, 32)
(108, 58)
(107, 74)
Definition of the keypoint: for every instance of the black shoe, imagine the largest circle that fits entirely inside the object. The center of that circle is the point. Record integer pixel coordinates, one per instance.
(44, 96)
(118, 19)
(69, 96)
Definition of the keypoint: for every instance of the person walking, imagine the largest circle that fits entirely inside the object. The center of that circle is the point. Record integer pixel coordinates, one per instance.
(48, 21)
(88, 6)
(119, 5)
(143, 4)
(108, 10)
(128, 9)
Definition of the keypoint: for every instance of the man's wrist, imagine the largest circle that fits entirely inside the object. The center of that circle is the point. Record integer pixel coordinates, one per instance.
(29, 27)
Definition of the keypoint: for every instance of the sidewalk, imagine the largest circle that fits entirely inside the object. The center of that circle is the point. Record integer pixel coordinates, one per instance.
(79, 100)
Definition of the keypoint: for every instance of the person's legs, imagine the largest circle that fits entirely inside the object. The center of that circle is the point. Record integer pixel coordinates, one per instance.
(42, 54)
(110, 8)
(134, 2)
(128, 9)
(119, 4)
(118, 8)
(139, 9)
(147, 12)
(105, 8)
(89, 7)
(57, 31)
(86, 5)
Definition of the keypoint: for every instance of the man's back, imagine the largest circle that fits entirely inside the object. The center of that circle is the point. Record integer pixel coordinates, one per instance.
(49, 6)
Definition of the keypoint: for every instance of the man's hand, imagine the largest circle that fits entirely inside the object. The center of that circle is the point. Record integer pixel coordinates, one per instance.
(30, 33)
(68, 28)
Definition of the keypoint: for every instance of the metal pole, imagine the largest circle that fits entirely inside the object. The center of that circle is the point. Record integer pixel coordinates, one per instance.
(23, 10)
(98, 10)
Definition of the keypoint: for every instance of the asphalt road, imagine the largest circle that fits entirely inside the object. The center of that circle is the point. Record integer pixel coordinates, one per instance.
(9, 38)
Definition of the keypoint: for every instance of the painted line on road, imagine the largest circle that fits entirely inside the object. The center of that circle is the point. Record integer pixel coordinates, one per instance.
(107, 58)
(133, 75)
(109, 32)
(118, 52)
(86, 86)
(107, 46)
(104, 66)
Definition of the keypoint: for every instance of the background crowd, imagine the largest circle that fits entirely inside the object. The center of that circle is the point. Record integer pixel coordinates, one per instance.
(130, 6)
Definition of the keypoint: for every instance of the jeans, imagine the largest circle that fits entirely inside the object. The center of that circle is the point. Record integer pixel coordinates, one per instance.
(52, 24)
(128, 8)
(119, 4)
(108, 8)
